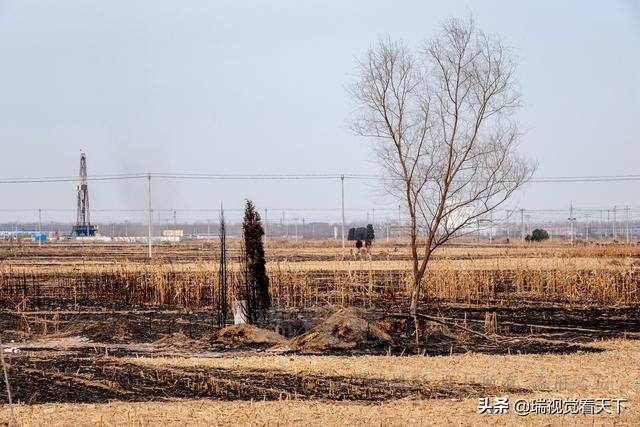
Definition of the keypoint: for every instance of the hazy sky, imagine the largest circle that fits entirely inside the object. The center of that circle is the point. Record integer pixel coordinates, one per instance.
(261, 87)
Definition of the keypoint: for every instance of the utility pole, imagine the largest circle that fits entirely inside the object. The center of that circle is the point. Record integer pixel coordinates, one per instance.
(508, 226)
(571, 221)
(208, 228)
(283, 220)
(266, 228)
(522, 224)
(587, 228)
(491, 228)
(615, 224)
(626, 222)
(399, 224)
(126, 228)
(175, 220)
(285, 224)
(150, 214)
(39, 227)
(343, 221)
(373, 220)
(302, 227)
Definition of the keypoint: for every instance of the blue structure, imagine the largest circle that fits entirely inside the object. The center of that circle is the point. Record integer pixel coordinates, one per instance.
(84, 230)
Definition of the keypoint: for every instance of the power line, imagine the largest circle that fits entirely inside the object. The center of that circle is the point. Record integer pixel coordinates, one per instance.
(50, 179)
(249, 176)
(200, 210)
(594, 178)
(291, 177)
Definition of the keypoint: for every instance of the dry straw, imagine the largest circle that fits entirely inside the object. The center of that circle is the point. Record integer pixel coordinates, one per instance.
(304, 277)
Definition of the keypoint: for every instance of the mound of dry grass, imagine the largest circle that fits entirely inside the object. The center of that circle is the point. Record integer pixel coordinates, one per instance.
(346, 329)
(245, 336)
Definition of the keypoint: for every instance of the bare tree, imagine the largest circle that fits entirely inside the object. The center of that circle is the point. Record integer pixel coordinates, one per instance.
(444, 130)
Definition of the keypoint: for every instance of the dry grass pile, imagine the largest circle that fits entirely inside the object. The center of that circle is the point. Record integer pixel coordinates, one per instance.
(346, 329)
(239, 336)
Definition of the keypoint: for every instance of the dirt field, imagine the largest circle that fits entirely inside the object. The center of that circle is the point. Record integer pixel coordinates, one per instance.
(107, 338)
(430, 390)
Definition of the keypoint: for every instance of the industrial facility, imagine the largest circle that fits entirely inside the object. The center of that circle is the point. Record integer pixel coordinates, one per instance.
(83, 227)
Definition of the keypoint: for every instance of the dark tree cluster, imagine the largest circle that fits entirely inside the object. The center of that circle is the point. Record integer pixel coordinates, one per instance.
(361, 233)
(256, 290)
(356, 233)
(537, 235)
(369, 236)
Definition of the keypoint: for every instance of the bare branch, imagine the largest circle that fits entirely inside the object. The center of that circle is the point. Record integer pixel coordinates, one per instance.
(445, 132)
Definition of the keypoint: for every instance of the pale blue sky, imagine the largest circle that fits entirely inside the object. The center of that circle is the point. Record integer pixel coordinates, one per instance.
(260, 87)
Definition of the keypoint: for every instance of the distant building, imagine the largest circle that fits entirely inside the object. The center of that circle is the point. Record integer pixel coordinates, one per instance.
(172, 233)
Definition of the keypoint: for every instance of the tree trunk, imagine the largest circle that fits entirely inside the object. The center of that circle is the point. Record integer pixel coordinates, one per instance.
(413, 309)
(415, 293)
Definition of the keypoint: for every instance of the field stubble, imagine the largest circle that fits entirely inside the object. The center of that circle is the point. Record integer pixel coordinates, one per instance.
(612, 374)
(50, 277)
(535, 299)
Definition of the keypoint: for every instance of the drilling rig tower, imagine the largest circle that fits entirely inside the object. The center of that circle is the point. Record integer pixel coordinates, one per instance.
(83, 227)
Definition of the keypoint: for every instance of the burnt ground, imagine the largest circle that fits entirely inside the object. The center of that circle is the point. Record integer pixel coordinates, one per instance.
(98, 379)
(525, 328)
(519, 319)
(520, 328)
(89, 369)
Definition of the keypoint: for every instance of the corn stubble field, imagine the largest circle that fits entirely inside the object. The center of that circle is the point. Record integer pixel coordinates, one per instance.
(109, 338)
